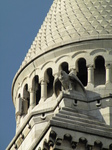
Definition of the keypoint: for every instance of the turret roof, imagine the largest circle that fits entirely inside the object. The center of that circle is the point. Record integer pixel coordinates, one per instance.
(71, 21)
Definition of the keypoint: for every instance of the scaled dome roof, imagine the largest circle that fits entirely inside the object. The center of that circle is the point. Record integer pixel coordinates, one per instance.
(71, 21)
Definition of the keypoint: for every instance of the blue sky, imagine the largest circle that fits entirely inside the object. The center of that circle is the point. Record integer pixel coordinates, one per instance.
(20, 21)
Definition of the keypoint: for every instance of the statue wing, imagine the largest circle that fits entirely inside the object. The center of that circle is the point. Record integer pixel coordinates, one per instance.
(77, 83)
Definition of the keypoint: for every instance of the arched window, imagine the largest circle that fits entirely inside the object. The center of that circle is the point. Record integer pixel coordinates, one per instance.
(99, 71)
(82, 71)
(50, 83)
(64, 67)
(19, 95)
(26, 99)
(36, 88)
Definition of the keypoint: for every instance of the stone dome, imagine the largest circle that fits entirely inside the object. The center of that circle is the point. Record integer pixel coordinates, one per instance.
(70, 21)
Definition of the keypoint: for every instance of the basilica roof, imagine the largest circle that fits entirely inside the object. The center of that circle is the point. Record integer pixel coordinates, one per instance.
(70, 21)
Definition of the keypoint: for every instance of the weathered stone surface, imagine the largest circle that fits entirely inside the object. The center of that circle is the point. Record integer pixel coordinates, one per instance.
(72, 110)
(72, 21)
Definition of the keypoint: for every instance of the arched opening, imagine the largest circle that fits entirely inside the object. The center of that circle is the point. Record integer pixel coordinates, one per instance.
(99, 71)
(82, 71)
(58, 86)
(26, 99)
(36, 88)
(64, 67)
(50, 83)
(19, 95)
(26, 94)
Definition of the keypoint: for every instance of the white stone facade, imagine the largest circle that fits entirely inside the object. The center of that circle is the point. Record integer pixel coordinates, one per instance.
(78, 116)
(37, 79)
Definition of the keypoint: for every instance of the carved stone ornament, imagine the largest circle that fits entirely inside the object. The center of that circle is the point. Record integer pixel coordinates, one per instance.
(68, 82)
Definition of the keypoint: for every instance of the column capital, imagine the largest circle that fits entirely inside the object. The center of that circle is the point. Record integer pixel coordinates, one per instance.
(55, 75)
(72, 67)
(31, 90)
(90, 66)
(108, 73)
(90, 69)
(73, 70)
(42, 80)
(108, 65)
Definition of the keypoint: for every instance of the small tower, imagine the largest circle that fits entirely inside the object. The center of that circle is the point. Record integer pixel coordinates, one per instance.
(62, 92)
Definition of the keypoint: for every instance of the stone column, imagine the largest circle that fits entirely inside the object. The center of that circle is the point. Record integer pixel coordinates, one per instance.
(90, 74)
(51, 148)
(43, 90)
(108, 73)
(32, 98)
